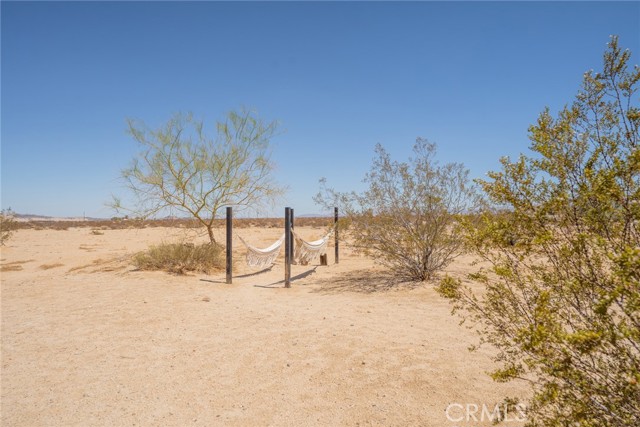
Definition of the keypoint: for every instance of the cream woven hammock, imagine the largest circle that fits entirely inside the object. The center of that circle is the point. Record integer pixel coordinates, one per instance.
(305, 252)
(260, 258)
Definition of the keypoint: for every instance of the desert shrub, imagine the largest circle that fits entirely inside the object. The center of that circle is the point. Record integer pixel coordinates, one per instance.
(180, 258)
(407, 217)
(182, 169)
(562, 296)
(8, 225)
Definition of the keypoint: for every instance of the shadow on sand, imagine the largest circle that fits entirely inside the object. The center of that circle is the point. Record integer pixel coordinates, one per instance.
(302, 275)
(242, 276)
(364, 281)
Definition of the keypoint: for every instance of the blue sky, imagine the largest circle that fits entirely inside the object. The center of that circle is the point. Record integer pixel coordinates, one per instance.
(339, 77)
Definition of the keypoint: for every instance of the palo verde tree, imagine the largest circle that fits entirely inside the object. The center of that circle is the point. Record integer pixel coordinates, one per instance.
(181, 168)
(562, 293)
(407, 217)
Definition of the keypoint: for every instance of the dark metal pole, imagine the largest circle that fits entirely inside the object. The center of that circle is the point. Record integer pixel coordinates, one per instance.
(287, 247)
(335, 222)
(229, 244)
(293, 241)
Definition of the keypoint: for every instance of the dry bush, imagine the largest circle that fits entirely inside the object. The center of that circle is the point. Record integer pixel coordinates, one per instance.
(408, 216)
(180, 258)
(8, 225)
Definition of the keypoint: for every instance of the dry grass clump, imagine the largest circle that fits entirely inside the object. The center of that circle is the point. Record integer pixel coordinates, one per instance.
(180, 258)
(14, 266)
(50, 266)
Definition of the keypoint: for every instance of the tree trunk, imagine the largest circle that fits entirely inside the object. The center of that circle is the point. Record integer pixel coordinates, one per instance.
(210, 231)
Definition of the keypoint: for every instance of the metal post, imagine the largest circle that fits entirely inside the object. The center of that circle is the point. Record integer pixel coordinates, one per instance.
(229, 244)
(287, 247)
(293, 241)
(335, 222)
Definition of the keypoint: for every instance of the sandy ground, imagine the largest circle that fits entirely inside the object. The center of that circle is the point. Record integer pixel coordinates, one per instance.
(89, 341)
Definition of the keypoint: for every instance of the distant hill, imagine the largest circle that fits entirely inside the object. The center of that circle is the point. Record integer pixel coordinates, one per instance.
(34, 217)
(31, 216)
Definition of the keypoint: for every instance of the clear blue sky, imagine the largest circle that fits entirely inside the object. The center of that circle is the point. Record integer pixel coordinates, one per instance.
(340, 77)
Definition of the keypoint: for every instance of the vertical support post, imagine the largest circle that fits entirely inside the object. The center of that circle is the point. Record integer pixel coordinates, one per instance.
(229, 244)
(291, 217)
(287, 247)
(335, 222)
(293, 241)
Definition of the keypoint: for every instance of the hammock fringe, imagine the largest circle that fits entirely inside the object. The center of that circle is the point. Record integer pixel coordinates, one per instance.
(260, 258)
(305, 252)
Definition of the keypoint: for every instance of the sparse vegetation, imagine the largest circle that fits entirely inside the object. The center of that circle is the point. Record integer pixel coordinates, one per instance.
(562, 300)
(50, 266)
(8, 225)
(318, 222)
(407, 218)
(180, 258)
(15, 265)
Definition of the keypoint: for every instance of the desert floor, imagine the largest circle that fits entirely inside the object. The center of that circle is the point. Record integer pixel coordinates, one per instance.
(89, 341)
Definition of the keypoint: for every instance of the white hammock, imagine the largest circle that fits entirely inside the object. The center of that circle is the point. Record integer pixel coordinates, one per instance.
(260, 258)
(305, 252)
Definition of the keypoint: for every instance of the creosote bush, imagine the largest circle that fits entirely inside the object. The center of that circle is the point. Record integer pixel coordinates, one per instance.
(408, 216)
(561, 298)
(180, 258)
(8, 225)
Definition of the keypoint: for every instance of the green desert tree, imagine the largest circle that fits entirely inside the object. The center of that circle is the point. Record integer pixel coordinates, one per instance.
(561, 298)
(407, 217)
(182, 169)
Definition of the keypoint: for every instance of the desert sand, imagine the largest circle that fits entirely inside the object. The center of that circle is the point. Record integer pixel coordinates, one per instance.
(87, 340)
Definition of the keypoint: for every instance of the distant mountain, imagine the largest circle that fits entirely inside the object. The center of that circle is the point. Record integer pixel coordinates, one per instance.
(34, 217)
(31, 216)
(315, 215)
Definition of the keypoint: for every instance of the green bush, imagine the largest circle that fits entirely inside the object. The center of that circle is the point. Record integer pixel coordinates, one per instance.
(561, 297)
(180, 258)
(8, 225)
